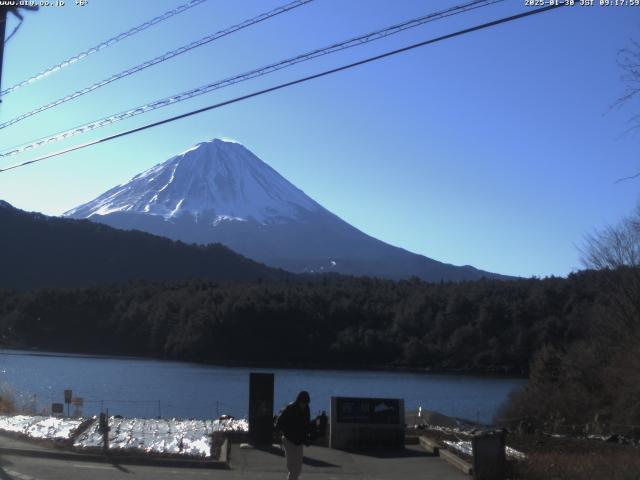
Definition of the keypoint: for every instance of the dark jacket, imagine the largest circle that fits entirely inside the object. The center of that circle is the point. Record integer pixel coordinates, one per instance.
(295, 423)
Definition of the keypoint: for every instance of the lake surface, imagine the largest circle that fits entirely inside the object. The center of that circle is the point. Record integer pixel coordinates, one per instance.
(149, 388)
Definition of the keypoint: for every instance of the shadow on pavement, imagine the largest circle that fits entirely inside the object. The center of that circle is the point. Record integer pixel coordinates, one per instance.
(117, 466)
(272, 450)
(389, 453)
(305, 460)
(313, 462)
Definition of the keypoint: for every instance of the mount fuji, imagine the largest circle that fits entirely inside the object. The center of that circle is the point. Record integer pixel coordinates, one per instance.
(218, 191)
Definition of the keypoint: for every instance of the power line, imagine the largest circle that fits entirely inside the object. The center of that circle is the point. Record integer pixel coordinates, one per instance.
(159, 59)
(360, 40)
(14, 31)
(289, 84)
(107, 43)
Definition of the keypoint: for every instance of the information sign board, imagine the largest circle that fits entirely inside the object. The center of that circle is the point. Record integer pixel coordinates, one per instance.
(358, 422)
(368, 410)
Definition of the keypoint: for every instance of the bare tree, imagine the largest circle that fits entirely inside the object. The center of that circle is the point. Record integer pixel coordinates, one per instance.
(614, 246)
(629, 62)
(615, 250)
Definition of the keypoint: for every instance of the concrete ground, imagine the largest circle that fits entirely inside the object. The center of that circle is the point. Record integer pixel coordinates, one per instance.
(319, 463)
(328, 464)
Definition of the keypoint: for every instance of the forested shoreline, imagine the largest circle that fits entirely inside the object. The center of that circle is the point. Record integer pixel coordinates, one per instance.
(576, 338)
(476, 327)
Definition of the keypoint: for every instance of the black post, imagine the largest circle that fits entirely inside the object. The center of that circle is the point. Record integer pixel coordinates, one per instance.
(103, 426)
(68, 395)
(3, 30)
(261, 408)
(489, 458)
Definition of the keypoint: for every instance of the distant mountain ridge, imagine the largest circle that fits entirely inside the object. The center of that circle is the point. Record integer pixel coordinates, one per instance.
(218, 191)
(40, 251)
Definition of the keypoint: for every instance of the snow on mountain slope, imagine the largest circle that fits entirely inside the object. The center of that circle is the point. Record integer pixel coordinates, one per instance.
(219, 191)
(218, 177)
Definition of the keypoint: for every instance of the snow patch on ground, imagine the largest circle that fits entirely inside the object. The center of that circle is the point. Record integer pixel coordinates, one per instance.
(192, 438)
(51, 428)
(466, 448)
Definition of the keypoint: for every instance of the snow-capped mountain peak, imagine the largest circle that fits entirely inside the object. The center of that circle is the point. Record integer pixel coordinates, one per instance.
(220, 192)
(220, 178)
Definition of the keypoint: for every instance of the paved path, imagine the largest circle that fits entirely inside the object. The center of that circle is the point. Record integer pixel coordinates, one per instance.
(250, 464)
(327, 464)
(32, 468)
(10, 442)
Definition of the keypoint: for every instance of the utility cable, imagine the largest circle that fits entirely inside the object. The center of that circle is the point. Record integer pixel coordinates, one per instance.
(107, 43)
(289, 84)
(362, 39)
(159, 59)
(15, 30)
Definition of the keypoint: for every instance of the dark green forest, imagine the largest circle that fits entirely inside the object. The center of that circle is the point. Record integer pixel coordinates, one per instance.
(40, 251)
(481, 326)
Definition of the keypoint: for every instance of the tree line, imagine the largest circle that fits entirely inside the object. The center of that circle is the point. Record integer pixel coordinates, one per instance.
(480, 326)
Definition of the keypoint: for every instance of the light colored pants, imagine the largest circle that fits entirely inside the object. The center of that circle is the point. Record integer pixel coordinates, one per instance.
(293, 453)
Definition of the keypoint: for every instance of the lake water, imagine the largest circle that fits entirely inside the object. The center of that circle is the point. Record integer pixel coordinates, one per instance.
(149, 388)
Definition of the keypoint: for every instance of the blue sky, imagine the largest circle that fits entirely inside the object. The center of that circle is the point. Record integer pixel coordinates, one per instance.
(496, 149)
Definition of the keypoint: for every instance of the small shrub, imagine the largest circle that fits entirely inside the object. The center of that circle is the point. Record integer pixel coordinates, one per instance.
(7, 401)
(623, 465)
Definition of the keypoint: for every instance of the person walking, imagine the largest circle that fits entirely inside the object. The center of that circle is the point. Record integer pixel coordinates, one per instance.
(295, 424)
